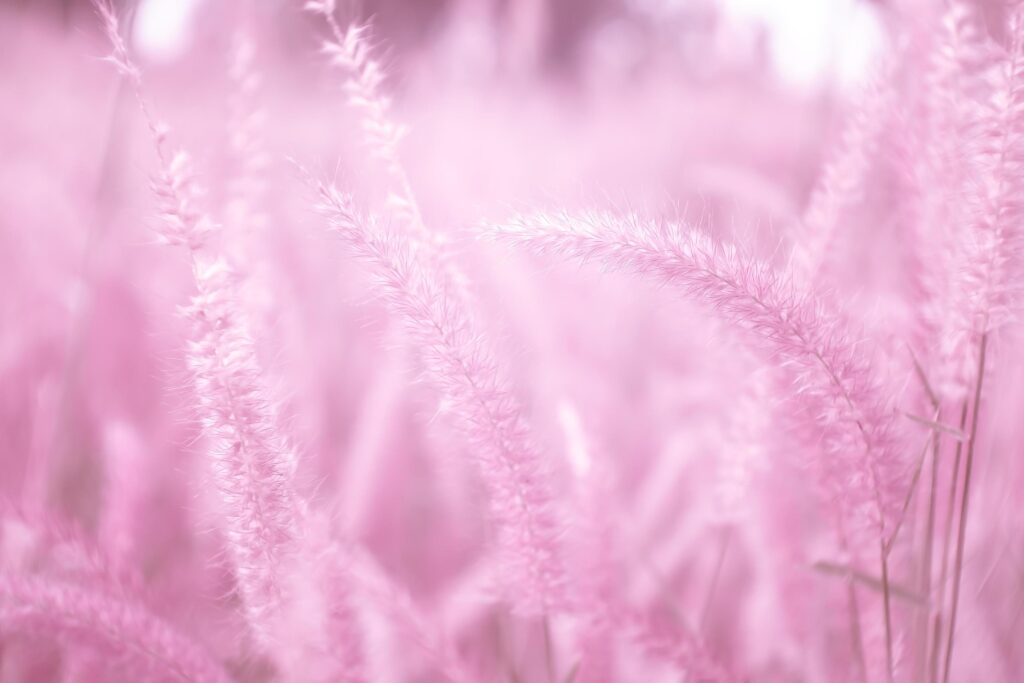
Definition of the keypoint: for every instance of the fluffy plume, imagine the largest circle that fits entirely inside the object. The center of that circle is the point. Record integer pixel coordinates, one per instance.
(842, 181)
(791, 459)
(246, 132)
(861, 463)
(987, 244)
(86, 616)
(465, 371)
(251, 463)
(351, 51)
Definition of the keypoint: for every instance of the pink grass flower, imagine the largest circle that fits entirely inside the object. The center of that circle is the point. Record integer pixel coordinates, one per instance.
(93, 617)
(861, 462)
(780, 446)
(460, 365)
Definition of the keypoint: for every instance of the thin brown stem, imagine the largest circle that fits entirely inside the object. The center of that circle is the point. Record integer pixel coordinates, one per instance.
(926, 560)
(505, 657)
(933, 660)
(962, 533)
(891, 541)
(871, 581)
(946, 544)
(936, 426)
(855, 632)
(886, 601)
(549, 655)
(709, 599)
(922, 376)
(853, 608)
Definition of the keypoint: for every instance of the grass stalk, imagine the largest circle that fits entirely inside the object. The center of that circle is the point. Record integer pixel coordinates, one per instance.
(887, 604)
(946, 544)
(958, 566)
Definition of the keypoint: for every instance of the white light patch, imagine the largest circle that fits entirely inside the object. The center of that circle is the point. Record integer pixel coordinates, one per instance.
(163, 28)
(575, 439)
(812, 41)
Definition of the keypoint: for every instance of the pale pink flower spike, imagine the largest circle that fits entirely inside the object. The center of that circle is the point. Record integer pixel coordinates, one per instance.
(493, 341)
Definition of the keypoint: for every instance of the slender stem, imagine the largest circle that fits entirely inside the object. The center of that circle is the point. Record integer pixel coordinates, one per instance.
(926, 560)
(933, 398)
(951, 503)
(962, 533)
(871, 581)
(887, 545)
(855, 632)
(549, 655)
(853, 609)
(709, 599)
(936, 426)
(933, 660)
(82, 310)
(502, 650)
(946, 544)
(886, 600)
